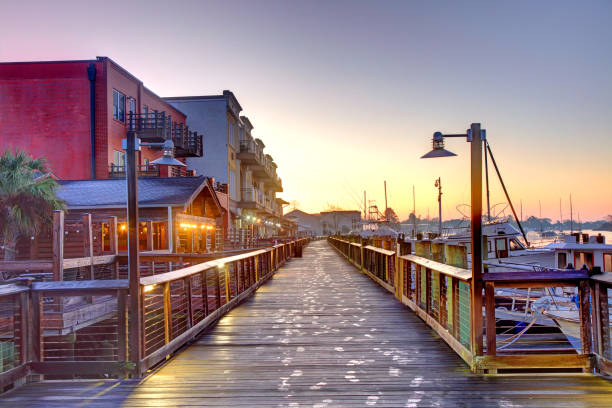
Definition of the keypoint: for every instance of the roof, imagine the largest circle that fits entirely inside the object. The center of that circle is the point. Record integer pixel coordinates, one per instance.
(578, 247)
(112, 193)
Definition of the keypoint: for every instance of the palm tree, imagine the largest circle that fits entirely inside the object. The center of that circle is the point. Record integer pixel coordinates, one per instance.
(27, 200)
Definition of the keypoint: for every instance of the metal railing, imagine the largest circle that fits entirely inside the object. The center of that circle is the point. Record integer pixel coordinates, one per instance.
(525, 323)
(80, 328)
(186, 142)
(143, 170)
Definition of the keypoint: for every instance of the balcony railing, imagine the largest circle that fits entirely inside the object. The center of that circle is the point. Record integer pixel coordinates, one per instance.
(250, 152)
(144, 170)
(151, 126)
(186, 142)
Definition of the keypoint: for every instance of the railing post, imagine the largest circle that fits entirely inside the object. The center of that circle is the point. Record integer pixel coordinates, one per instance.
(86, 219)
(256, 264)
(490, 319)
(167, 312)
(604, 319)
(227, 283)
(585, 320)
(361, 251)
(58, 245)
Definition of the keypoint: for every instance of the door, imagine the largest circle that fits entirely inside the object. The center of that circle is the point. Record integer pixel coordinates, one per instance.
(501, 247)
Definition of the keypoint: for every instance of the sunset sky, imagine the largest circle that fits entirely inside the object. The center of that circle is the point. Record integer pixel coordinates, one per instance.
(347, 94)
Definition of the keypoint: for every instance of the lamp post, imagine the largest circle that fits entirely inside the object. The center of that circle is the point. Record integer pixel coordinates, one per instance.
(438, 184)
(132, 144)
(475, 136)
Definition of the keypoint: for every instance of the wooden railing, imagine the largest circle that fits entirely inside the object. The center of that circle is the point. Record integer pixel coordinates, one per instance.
(435, 283)
(81, 328)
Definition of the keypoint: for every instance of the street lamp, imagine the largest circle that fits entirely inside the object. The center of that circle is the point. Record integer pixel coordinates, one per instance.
(132, 144)
(478, 135)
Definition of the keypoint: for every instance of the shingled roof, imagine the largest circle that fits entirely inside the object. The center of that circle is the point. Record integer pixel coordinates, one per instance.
(112, 193)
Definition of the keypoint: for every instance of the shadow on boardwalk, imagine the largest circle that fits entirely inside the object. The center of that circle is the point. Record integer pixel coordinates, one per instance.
(319, 334)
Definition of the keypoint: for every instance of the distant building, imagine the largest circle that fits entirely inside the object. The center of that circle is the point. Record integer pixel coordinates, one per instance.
(308, 224)
(76, 113)
(237, 160)
(326, 222)
(340, 222)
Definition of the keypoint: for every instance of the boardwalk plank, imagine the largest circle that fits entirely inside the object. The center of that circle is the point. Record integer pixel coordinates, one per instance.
(319, 334)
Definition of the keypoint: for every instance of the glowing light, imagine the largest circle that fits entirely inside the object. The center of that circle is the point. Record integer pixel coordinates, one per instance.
(123, 227)
(149, 288)
(221, 265)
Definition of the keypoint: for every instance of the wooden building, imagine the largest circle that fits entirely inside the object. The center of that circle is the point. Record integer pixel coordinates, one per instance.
(177, 214)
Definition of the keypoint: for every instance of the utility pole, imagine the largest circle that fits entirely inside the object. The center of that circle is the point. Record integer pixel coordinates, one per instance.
(386, 201)
(439, 185)
(414, 226)
(365, 214)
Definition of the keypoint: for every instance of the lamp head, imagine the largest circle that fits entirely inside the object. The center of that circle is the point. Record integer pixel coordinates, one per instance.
(167, 158)
(438, 148)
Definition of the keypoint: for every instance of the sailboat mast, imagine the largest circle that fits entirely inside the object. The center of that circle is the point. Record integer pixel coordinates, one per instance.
(540, 205)
(571, 216)
(365, 214)
(560, 216)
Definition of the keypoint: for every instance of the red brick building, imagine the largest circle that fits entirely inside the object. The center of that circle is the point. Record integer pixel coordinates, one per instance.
(75, 113)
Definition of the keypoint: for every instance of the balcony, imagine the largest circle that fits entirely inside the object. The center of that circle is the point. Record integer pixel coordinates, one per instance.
(250, 153)
(186, 142)
(145, 170)
(150, 127)
(252, 199)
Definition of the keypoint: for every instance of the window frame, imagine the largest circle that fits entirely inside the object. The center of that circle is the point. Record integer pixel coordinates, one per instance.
(119, 100)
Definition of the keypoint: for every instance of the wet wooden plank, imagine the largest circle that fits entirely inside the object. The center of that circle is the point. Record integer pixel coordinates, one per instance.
(319, 333)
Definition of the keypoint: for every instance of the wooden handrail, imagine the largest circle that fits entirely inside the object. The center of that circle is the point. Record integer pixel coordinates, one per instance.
(449, 270)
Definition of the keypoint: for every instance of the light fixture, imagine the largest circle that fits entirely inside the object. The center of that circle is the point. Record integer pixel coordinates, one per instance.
(438, 148)
(167, 158)
(149, 288)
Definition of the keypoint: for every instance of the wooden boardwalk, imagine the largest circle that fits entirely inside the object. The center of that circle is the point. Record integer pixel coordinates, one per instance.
(319, 334)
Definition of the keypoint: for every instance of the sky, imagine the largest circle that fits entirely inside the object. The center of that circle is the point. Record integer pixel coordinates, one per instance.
(347, 94)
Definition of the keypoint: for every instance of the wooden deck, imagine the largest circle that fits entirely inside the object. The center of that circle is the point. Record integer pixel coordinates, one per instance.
(319, 334)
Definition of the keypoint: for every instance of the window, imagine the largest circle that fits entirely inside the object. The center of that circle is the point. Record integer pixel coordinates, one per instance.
(233, 185)
(145, 110)
(131, 106)
(561, 260)
(515, 245)
(118, 106)
(118, 158)
(607, 263)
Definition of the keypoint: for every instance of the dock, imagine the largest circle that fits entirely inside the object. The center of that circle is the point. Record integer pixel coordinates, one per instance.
(319, 333)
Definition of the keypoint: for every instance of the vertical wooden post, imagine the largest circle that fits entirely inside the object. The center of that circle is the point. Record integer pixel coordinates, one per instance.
(490, 319)
(476, 223)
(88, 235)
(58, 245)
(228, 289)
(604, 321)
(585, 318)
(23, 326)
(456, 315)
(443, 304)
(361, 254)
(256, 262)
(36, 352)
(167, 312)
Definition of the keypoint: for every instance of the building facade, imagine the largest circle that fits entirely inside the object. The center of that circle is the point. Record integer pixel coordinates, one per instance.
(76, 113)
(237, 160)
